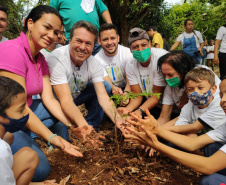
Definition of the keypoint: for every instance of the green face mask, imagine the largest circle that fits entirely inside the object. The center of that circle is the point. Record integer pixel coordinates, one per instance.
(142, 56)
(173, 82)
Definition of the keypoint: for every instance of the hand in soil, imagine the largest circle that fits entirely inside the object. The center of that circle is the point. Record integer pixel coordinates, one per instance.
(122, 124)
(88, 135)
(65, 146)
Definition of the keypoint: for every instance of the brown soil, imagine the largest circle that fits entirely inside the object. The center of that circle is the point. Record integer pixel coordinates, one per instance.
(116, 163)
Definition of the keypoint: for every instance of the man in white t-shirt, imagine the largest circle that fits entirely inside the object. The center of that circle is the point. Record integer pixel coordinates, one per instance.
(221, 57)
(114, 58)
(3, 23)
(142, 73)
(77, 77)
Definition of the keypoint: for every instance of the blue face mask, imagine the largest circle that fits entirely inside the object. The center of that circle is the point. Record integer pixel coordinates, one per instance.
(142, 56)
(200, 99)
(15, 124)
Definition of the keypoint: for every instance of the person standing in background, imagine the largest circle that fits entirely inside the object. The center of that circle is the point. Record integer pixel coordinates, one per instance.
(157, 41)
(3, 23)
(220, 59)
(191, 40)
(88, 10)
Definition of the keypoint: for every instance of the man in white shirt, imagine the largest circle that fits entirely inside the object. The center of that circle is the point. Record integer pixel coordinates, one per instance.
(114, 58)
(142, 73)
(77, 77)
(3, 23)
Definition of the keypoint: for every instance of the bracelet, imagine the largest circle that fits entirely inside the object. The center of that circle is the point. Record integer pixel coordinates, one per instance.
(69, 125)
(50, 145)
(126, 91)
(142, 112)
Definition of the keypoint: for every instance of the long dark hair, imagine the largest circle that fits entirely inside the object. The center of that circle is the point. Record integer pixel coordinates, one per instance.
(37, 12)
(180, 61)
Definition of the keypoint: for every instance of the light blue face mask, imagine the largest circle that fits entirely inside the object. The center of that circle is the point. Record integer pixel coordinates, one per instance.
(142, 56)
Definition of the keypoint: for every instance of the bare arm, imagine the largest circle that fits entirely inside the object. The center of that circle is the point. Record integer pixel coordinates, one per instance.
(153, 100)
(51, 103)
(205, 165)
(193, 128)
(114, 89)
(135, 103)
(175, 45)
(165, 114)
(104, 101)
(106, 16)
(127, 88)
(69, 108)
(34, 123)
(216, 48)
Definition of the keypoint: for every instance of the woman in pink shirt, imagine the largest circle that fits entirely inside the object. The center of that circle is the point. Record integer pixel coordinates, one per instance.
(22, 62)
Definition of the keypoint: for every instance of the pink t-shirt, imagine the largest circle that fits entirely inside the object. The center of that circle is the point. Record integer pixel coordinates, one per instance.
(16, 58)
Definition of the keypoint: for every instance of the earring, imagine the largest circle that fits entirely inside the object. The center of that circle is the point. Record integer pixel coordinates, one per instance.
(29, 33)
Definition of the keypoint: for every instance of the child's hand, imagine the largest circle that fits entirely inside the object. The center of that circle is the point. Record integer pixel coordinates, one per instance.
(142, 138)
(149, 123)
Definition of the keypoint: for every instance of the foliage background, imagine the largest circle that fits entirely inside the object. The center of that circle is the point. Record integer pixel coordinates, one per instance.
(208, 16)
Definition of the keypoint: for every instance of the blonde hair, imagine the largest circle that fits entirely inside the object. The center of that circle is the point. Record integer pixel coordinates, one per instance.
(198, 74)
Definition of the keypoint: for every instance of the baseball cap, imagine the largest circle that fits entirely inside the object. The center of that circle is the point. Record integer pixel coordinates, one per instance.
(137, 34)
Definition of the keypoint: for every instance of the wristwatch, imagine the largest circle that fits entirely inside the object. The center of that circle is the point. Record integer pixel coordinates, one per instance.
(141, 110)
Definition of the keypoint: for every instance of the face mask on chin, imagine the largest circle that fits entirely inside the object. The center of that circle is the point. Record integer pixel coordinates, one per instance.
(173, 82)
(142, 56)
(15, 124)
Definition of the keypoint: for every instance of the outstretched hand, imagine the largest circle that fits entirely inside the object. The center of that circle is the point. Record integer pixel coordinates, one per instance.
(65, 146)
(122, 124)
(87, 134)
(149, 123)
(146, 138)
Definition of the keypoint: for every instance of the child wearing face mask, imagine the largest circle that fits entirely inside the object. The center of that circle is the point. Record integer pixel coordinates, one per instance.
(203, 111)
(17, 169)
(212, 165)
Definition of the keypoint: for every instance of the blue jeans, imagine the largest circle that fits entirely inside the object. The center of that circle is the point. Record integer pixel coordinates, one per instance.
(48, 120)
(216, 178)
(89, 98)
(23, 140)
(96, 48)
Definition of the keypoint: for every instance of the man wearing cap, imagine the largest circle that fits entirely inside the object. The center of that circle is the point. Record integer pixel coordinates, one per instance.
(143, 74)
(114, 58)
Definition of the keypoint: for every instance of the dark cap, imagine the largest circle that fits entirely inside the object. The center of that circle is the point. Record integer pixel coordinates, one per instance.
(137, 34)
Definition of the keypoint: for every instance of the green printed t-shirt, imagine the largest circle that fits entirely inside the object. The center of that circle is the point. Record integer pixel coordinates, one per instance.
(72, 12)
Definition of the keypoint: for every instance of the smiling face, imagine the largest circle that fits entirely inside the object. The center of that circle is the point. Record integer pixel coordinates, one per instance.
(44, 31)
(223, 94)
(81, 45)
(109, 41)
(169, 72)
(17, 108)
(3, 22)
(189, 26)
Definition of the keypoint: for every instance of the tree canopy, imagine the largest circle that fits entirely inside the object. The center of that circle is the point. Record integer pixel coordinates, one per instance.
(208, 16)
